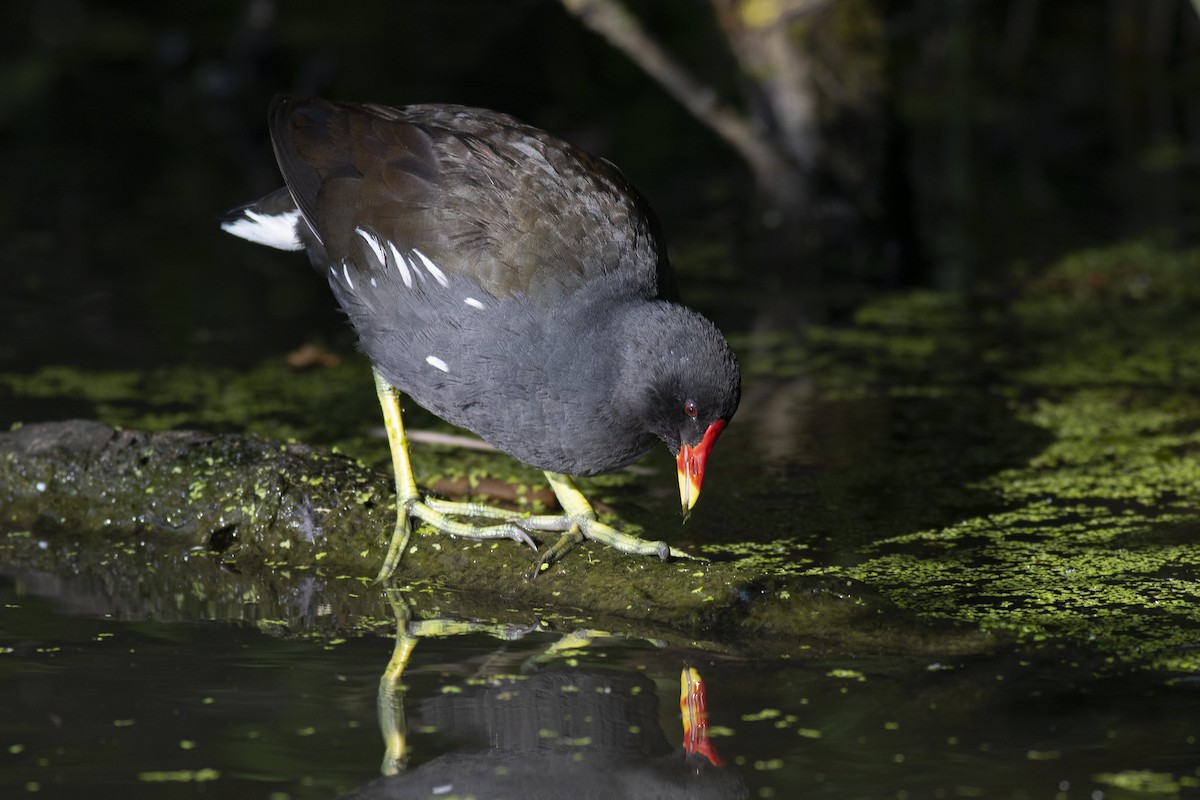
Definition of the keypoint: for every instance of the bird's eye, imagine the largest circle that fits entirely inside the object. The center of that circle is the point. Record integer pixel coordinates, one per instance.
(689, 408)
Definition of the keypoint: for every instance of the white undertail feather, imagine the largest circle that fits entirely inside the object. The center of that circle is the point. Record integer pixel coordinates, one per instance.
(278, 230)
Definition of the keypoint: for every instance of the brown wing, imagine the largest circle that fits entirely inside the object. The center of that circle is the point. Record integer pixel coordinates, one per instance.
(478, 192)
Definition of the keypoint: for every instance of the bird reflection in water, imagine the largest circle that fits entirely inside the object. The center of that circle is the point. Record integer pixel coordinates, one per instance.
(559, 732)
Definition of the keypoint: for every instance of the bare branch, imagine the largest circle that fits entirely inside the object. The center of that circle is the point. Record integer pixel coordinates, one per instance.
(613, 21)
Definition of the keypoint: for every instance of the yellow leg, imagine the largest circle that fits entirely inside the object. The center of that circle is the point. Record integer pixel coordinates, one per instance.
(406, 484)
(408, 498)
(577, 522)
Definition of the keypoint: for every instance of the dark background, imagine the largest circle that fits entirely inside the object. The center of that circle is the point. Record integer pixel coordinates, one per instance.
(965, 145)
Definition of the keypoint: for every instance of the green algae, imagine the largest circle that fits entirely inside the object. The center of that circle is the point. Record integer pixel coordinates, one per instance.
(1078, 533)
(271, 400)
(333, 406)
(1144, 783)
(1094, 543)
(255, 525)
(1023, 466)
(1112, 316)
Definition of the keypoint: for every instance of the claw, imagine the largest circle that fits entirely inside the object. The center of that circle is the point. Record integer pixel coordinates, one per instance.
(519, 535)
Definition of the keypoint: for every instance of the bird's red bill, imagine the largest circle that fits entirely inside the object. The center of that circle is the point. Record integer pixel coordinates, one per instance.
(693, 706)
(691, 463)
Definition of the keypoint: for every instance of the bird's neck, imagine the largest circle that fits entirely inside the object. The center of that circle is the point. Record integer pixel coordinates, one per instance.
(617, 346)
(645, 347)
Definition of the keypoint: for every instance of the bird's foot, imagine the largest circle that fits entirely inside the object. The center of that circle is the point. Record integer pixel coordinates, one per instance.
(396, 546)
(577, 529)
(576, 524)
(439, 514)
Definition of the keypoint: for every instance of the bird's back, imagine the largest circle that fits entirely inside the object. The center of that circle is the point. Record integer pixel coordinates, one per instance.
(477, 192)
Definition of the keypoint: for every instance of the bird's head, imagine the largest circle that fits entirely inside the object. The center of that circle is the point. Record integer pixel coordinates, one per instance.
(694, 389)
(702, 410)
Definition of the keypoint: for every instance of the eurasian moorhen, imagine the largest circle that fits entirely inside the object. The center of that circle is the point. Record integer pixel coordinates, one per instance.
(511, 284)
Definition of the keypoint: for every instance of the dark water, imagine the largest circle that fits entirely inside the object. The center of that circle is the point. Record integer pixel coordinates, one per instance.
(93, 706)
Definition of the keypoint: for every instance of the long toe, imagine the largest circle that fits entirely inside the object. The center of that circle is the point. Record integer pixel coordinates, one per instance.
(399, 541)
(445, 523)
(599, 532)
(571, 537)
